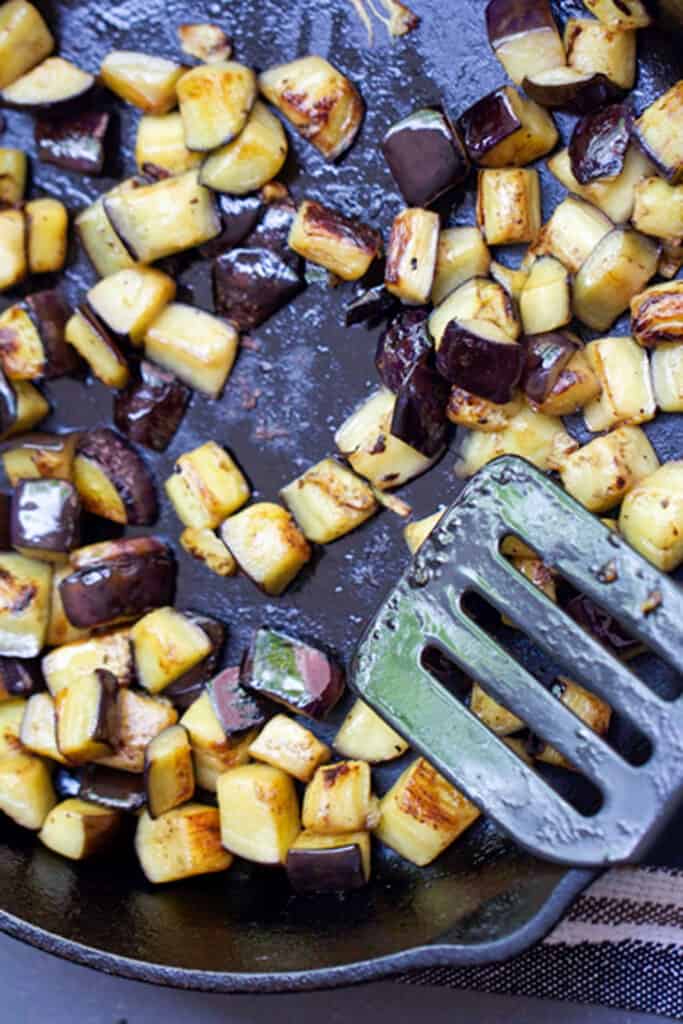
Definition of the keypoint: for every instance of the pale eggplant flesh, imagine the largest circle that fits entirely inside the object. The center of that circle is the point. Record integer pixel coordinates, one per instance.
(426, 156)
(123, 466)
(404, 344)
(50, 313)
(149, 411)
(73, 143)
(185, 690)
(599, 143)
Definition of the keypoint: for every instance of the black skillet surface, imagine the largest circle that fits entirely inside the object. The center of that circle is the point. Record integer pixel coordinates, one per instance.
(483, 900)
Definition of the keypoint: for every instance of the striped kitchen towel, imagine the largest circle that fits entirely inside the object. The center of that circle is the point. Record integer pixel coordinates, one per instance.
(620, 946)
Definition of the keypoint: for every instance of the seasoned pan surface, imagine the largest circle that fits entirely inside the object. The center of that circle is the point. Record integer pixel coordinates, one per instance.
(290, 389)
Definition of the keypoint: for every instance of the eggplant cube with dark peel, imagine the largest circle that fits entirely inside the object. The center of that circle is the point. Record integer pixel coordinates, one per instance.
(150, 410)
(46, 517)
(419, 418)
(540, 439)
(329, 501)
(83, 658)
(215, 101)
(113, 480)
(214, 750)
(479, 357)
(22, 353)
(40, 455)
(576, 386)
(621, 14)
(78, 829)
(207, 486)
(318, 100)
(334, 863)
(13, 248)
(182, 843)
(461, 255)
(509, 205)
(128, 301)
(505, 129)
(103, 247)
(24, 605)
(598, 48)
(60, 631)
(145, 81)
(343, 246)
(302, 678)
(285, 744)
(39, 728)
(547, 355)
(657, 315)
(107, 787)
(546, 301)
(236, 709)
(138, 719)
(208, 43)
(425, 156)
(364, 736)
(567, 88)
(22, 407)
(167, 644)
(73, 143)
(13, 173)
(524, 36)
(93, 342)
(259, 813)
(614, 196)
(623, 369)
(659, 131)
(651, 518)
(26, 791)
(340, 799)
(411, 255)
(160, 143)
(402, 345)
(251, 160)
(164, 218)
(267, 545)
(203, 544)
(251, 284)
(602, 472)
(169, 775)
(617, 270)
(200, 349)
(25, 40)
(86, 717)
(476, 299)
(53, 84)
(20, 677)
(239, 216)
(600, 142)
(422, 814)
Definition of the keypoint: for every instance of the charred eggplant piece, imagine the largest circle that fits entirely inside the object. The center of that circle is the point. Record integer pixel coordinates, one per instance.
(251, 160)
(74, 143)
(13, 174)
(328, 501)
(203, 544)
(659, 132)
(509, 205)
(524, 36)
(46, 519)
(479, 357)
(602, 472)
(657, 315)
(468, 410)
(576, 386)
(50, 313)
(599, 143)
(167, 645)
(24, 605)
(150, 410)
(505, 129)
(169, 774)
(145, 81)
(547, 355)
(325, 864)
(343, 246)
(160, 143)
(107, 787)
(116, 580)
(621, 14)
(25, 40)
(92, 341)
(112, 479)
(239, 216)
(267, 545)
(371, 307)
(339, 799)
(592, 46)
(250, 285)
(207, 486)
(419, 418)
(32, 339)
(183, 843)
(54, 84)
(139, 718)
(576, 91)
(411, 255)
(13, 248)
(292, 673)
(208, 43)
(20, 677)
(215, 101)
(196, 346)
(425, 156)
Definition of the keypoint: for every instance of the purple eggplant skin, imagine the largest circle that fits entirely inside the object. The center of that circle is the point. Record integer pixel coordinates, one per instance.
(107, 787)
(252, 284)
(301, 677)
(506, 18)
(5, 521)
(580, 97)
(21, 677)
(371, 307)
(46, 516)
(490, 369)
(239, 216)
(403, 344)
(133, 576)
(603, 626)
(126, 470)
(185, 690)
(50, 313)
(426, 156)
(486, 123)
(150, 409)
(546, 357)
(236, 709)
(8, 405)
(338, 869)
(599, 143)
(272, 233)
(73, 143)
(420, 412)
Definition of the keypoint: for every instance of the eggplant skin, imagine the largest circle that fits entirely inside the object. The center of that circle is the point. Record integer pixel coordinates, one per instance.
(122, 465)
(326, 870)
(73, 143)
(50, 313)
(547, 356)
(603, 626)
(132, 578)
(46, 516)
(272, 232)
(420, 412)
(252, 284)
(184, 691)
(9, 408)
(487, 123)
(371, 307)
(403, 345)
(239, 215)
(488, 368)
(426, 156)
(586, 94)
(107, 787)
(506, 18)
(21, 677)
(150, 409)
(301, 677)
(599, 143)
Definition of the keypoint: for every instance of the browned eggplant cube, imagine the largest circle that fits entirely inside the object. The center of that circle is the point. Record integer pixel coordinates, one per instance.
(78, 829)
(208, 43)
(657, 315)
(660, 133)
(53, 85)
(25, 40)
(26, 790)
(102, 245)
(128, 301)
(47, 222)
(207, 486)
(112, 479)
(524, 36)
(285, 670)
(425, 156)
(110, 651)
(198, 347)
(251, 284)
(328, 501)
(13, 248)
(182, 843)
(151, 408)
(614, 196)
(167, 645)
(267, 545)
(87, 717)
(538, 438)
(602, 472)
(139, 718)
(509, 205)
(90, 338)
(411, 255)
(188, 686)
(40, 455)
(215, 101)
(259, 811)
(32, 338)
(13, 173)
(335, 863)
(24, 605)
(572, 234)
(39, 728)
(617, 270)
(595, 47)
(505, 129)
(203, 544)
(214, 750)
(251, 160)
(343, 246)
(286, 744)
(145, 81)
(120, 579)
(160, 144)
(462, 254)
(169, 775)
(340, 799)
(46, 519)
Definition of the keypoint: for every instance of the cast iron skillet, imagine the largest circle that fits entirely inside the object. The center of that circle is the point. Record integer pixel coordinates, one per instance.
(482, 901)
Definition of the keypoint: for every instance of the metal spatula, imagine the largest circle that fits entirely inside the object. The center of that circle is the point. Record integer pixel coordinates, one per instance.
(426, 609)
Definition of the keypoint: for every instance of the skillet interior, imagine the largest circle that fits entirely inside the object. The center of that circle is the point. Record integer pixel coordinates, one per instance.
(484, 898)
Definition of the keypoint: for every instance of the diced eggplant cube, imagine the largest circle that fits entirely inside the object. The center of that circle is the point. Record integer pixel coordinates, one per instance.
(623, 369)
(340, 799)
(657, 315)
(614, 196)
(540, 439)
(13, 174)
(621, 14)
(60, 631)
(104, 248)
(203, 544)
(667, 377)
(22, 407)
(603, 471)
(151, 408)
(86, 717)
(573, 233)
(167, 644)
(22, 353)
(251, 160)
(139, 718)
(600, 142)
(498, 719)
(419, 418)
(338, 863)
(462, 254)
(46, 519)
(267, 545)
(302, 678)
(509, 205)
(659, 132)
(318, 100)
(576, 386)
(576, 91)
(110, 651)
(505, 129)
(24, 605)
(547, 355)
(214, 750)
(239, 216)
(403, 344)
(50, 313)
(546, 301)
(215, 101)
(25, 40)
(658, 208)
(192, 683)
(651, 517)
(12, 713)
(479, 357)
(128, 301)
(54, 84)
(13, 248)
(198, 348)
(364, 736)
(208, 43)
(26, 792)
(169, 775)
(329, 501)
(617, 270)
(251, 284)
(112, 479)
(422, 814)
(285, 744)
(40, 455)
(106, 787)
(477, 299)
(598, 48)
(160, 143)
(524, 36)
(39, 728)
(73, 143)
(425, 156)
(411, 255)
(468, 410)
(93, 342)
(117, 580)
(78, 829)
(343, 246)
(145, 81)
(207, 486)
(259, 813)
(237, 710)
(182, 843)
